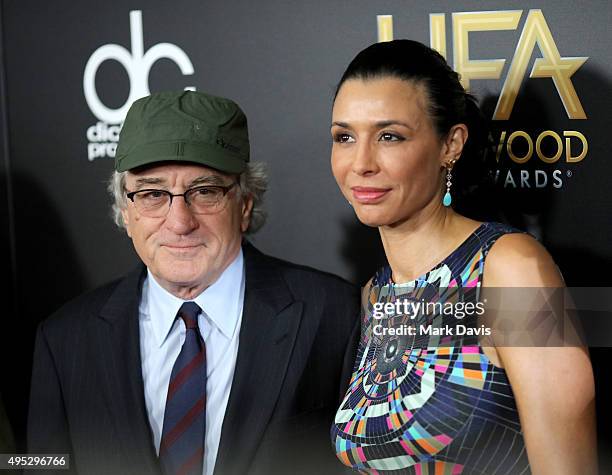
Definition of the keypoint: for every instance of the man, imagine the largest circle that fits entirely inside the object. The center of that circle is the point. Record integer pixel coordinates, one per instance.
(212, 357)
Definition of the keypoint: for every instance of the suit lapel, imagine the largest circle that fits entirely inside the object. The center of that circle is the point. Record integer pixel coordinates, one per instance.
(270, 322)
(120, 363)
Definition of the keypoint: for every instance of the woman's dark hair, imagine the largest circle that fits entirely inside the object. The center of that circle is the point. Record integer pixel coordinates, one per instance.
(448, 103)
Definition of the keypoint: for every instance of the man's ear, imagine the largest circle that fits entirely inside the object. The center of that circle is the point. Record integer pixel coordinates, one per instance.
(454, 143)
(126, 221)
(247, 208)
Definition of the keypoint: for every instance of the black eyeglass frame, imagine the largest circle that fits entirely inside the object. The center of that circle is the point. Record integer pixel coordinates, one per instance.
(224, 188)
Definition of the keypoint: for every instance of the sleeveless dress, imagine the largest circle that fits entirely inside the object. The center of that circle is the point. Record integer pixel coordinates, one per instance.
(429, 404)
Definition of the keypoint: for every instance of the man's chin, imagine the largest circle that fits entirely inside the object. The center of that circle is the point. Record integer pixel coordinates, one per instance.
(181, 284)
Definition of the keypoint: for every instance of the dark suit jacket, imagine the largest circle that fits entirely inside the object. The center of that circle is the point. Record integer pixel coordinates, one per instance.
(87, 396)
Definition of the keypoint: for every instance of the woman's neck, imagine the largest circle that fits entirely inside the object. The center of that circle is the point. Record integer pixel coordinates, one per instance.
(416, 245)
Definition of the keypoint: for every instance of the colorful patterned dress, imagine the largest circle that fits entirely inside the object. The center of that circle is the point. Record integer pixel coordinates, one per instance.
(429, 404)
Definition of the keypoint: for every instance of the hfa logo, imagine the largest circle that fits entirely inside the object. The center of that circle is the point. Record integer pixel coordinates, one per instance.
(104, 135)
(549, 145)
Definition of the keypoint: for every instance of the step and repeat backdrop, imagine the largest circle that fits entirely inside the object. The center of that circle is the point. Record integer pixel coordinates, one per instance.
(541, 70)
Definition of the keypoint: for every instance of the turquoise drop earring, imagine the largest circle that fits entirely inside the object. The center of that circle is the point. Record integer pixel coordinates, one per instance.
(447, 200)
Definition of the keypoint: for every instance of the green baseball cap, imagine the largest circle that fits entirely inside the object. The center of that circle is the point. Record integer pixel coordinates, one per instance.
(184, 126)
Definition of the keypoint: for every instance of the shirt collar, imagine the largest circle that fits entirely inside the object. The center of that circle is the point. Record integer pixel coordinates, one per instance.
(221, 302)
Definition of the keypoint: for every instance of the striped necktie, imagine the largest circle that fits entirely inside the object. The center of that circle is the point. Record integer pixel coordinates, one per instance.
(182, 444)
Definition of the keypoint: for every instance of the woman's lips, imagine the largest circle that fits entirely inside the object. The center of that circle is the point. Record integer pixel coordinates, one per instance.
(366, 194)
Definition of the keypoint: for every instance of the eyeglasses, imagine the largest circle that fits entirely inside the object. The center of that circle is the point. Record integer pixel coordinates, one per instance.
(155, 203)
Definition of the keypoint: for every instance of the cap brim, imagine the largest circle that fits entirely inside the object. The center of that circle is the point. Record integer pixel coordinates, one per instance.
(201, 153)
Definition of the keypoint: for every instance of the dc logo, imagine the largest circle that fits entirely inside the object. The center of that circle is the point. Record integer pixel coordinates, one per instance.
(137, 63)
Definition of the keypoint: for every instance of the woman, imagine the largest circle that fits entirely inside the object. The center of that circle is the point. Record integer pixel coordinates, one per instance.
(402, 126)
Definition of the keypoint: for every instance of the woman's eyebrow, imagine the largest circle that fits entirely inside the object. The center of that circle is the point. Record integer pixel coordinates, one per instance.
(387, 123)
(379, 124)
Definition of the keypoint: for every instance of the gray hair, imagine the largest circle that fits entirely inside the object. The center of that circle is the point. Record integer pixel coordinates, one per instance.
(253, 182)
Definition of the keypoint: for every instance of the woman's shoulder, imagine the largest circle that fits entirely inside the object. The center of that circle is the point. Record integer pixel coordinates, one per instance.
(516, 259)
(488, 232)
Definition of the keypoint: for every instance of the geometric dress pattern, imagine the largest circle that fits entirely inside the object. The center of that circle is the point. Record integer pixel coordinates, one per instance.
(429, 404)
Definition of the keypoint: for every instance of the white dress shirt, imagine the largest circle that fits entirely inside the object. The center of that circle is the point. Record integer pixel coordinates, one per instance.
(161, 339)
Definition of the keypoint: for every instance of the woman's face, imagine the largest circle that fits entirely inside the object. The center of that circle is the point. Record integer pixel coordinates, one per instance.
(387, 158)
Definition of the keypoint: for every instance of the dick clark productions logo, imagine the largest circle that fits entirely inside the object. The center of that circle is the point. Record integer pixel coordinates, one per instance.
(103, 136)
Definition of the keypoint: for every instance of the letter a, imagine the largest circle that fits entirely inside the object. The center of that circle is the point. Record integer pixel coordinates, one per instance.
(551, 65)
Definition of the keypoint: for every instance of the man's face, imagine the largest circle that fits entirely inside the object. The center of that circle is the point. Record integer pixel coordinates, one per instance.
(186, 252)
